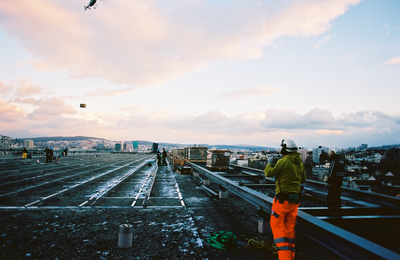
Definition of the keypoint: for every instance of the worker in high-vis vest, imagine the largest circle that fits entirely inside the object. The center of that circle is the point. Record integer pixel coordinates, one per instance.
(290, 180)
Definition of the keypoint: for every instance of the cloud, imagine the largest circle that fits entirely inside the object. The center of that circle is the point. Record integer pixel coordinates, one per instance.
(30, 100)
(111, 92)
(306, 18)
(145, 43)
(4, 89)
(10, 112)
(365, 119)
(253, 92)
(140, 120)
(280, 119)
(131, 108)
(394, 60)
(21, 88)
(27, 88)
(47, 108)
(324, 40)
(323, 121)
(316, 127)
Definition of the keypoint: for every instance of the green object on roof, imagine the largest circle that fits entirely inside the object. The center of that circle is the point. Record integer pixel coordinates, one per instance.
(223, 240)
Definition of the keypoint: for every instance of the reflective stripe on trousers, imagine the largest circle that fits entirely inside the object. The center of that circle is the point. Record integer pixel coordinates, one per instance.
(283, 221)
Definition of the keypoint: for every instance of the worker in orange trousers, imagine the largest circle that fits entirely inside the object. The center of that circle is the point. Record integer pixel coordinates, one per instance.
(289, 175)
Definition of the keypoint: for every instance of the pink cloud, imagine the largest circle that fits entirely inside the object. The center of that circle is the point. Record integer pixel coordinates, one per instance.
(143, 43)
(27, 88)
(50, 108)
(112, 92)
(394, 60)
(10, 112)
(31, 101)
(20, 88)
(306, 18)
(4, 89)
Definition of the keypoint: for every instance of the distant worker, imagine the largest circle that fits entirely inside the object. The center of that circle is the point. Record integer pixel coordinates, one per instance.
(289, 175)
(158, 157)
(164, 157)
(25, 153)
(49, 154)
(59, 156)
(335, 179)
(65, 151)
(46, 152)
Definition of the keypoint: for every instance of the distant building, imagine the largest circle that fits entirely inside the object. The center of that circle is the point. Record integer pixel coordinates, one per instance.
(242, 162)
(155, 147)
(124, 146)
(377, 158)
(28, 144)
(100, 145)
(303, 153)
(364, 185)
(135, 144)
(350, 157)
(118, 146)
(365, 176)
(4, 142)
(363, 147)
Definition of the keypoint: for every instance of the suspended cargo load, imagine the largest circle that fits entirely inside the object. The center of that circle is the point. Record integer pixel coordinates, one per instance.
(218, 160)
(196, 154)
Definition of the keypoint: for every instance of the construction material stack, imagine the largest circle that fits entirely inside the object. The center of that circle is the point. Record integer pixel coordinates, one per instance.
(218, 160)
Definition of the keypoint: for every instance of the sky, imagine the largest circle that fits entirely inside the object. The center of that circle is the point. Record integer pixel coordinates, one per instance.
(321, 72)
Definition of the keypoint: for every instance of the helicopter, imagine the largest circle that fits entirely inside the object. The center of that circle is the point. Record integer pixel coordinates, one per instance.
(91, 3)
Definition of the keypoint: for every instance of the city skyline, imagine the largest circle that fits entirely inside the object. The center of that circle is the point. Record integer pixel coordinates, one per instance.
(323, 72)
(86, 141)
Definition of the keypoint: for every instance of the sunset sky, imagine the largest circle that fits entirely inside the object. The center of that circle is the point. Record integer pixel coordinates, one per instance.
(323, 72)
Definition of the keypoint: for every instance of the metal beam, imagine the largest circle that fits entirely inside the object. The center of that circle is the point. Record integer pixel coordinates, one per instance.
(254, 197)
(374, 198)
(345, 244)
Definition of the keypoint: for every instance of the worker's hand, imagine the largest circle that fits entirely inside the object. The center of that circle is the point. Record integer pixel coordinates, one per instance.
(273, 160)
(270, 160)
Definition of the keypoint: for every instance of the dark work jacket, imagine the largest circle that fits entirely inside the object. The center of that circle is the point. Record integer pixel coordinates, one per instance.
(337, 166)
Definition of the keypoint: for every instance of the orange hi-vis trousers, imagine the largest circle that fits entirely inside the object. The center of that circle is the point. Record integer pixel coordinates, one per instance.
(283, 221)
